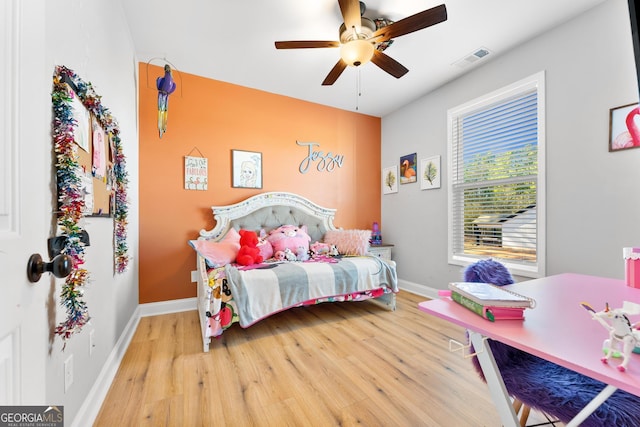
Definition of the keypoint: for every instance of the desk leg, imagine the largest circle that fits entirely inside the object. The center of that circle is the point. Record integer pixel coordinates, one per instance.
(491, 373)
(592, 406)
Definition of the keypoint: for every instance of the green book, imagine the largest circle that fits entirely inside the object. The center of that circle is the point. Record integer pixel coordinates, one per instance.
(489, 295)
(477, 308)
(489, 312)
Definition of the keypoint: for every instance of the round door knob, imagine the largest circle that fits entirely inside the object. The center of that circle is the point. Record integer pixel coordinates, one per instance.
(60, 266)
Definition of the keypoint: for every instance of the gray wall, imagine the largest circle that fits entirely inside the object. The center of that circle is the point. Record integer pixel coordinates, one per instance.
(92, 39)
(593, 203)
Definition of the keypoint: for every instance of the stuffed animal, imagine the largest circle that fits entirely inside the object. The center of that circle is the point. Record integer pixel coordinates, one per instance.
(279, 256)
(289, 255)
(320, 248)
(289, 237)
(302, 254)
(249, 253)
(266, 250)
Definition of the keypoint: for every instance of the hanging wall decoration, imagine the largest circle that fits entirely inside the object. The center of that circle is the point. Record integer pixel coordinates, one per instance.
(195, 171)
(430, 173)
(71, 198)
(323, 161)
(408, 166)
(624, 132)
(166, 86)
(246, 169)
(390, 180)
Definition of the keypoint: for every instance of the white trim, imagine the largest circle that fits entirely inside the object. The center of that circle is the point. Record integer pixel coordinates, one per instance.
(535, 81)
(418, 289)
(91, 406)
(167, 307)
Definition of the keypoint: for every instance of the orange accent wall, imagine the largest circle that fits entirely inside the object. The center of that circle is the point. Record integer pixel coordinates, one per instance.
(213, 117)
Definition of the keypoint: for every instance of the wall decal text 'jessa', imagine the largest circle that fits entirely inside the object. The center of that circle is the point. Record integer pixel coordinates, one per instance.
(326, 162)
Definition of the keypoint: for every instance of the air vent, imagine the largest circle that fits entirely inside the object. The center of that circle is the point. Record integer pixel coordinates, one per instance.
(475, 56)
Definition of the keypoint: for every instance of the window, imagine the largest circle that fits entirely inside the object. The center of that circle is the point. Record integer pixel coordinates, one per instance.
(496, 185)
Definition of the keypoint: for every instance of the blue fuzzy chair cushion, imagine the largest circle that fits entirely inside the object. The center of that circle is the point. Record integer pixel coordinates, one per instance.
(545, 386)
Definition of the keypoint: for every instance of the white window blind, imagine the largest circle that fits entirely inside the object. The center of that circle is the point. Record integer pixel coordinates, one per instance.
(495, 166)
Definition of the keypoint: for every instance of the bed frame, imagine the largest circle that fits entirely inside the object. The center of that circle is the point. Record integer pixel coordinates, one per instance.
(271, 210)
(265, 211)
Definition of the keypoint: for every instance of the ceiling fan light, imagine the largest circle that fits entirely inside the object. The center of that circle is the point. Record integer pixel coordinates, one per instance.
(356, 52)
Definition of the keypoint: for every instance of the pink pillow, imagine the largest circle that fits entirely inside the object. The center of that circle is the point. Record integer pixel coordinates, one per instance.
(217, 254)
(349, 242)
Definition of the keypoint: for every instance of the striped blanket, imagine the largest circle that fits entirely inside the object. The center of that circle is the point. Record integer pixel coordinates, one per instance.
(261, 292)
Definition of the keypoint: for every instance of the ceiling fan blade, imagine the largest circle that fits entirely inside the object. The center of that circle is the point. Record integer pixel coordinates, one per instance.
(350, 10)
(305, 44)
(389, 64)
(334, 73)
(412, 23)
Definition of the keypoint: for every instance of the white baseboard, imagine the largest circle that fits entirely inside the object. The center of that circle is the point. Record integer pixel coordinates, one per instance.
(92, 404)
(166, 307)
(418, 289)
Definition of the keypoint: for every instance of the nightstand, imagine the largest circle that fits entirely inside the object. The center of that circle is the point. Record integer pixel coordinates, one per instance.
(381, 251)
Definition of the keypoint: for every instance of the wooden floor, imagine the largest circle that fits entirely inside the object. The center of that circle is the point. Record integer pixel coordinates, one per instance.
(334, 364)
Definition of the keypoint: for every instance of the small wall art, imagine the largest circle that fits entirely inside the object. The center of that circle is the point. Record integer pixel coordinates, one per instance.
(390, 180)
(82, 118)
(408, 166)
(195, 173)
(430, 173)
(100, 145)
(624, 127)
(246, 169)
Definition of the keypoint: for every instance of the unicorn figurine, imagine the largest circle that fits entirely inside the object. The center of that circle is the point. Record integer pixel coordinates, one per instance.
(621, 332)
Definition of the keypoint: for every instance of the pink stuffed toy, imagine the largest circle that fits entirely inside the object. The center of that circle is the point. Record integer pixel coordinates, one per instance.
(249, 253)
(264, 245)
(289, 237)
(320, 248)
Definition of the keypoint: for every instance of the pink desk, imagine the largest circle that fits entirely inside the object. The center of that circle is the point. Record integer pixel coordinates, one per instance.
(558, 329)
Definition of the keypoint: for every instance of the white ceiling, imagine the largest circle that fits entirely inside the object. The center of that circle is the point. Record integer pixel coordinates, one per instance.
(233, 41)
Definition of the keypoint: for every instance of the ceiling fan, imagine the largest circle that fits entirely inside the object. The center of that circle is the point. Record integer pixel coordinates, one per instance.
(361, 40)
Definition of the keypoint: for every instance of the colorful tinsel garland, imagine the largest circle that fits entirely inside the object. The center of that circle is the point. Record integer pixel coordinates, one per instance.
(70, 197)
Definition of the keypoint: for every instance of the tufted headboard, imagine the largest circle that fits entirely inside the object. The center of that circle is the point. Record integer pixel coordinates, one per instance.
(271, 210)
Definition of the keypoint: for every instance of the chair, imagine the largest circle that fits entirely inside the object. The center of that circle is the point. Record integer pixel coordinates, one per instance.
(542, 385)
(490, 271)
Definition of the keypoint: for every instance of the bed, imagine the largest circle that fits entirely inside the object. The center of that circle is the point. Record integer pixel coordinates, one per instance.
(229, 293)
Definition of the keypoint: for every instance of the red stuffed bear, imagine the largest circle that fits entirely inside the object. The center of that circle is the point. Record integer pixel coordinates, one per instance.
(249, 253)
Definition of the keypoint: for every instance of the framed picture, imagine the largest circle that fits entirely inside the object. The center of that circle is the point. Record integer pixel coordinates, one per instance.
(408, 166)
(624, 127)
(430, 173)
(246, 169)
(196, 173)
(83, 118)
(99, 151)
(390, 180)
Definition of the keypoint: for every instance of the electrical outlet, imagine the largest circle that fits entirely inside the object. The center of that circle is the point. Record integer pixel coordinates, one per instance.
(92, 343)
(68, 373)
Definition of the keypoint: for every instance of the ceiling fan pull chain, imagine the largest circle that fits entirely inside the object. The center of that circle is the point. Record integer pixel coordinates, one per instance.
(358, 89)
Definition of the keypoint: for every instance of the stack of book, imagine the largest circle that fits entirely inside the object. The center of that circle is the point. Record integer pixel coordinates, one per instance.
(490, 301)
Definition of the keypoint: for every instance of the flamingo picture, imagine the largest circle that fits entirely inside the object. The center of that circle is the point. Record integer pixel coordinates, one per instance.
(408, 169)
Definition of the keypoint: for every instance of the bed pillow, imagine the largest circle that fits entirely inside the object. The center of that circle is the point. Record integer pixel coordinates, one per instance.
(217, 254)
(349, 242)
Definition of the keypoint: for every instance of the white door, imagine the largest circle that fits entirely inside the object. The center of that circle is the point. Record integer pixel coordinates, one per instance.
(25, 200)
